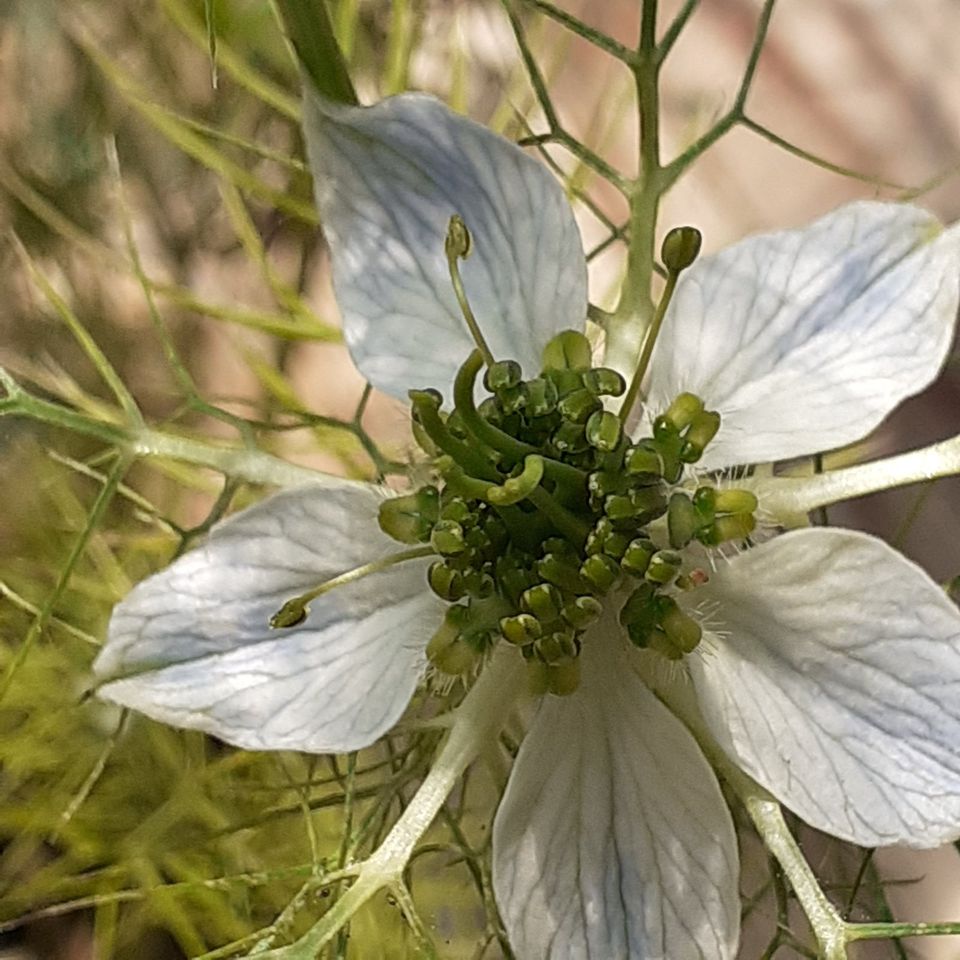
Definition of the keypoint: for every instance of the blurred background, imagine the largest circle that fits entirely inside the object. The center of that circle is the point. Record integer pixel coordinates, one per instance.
(158, 197)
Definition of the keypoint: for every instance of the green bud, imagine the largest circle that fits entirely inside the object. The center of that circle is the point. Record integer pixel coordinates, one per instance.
(540, 397)
(604, 382)
(681, 412)
(521, 629)
(683, 520)
(447, 538)
(543, 601)
(446, 582)
(604, 430)
(566, 381)
(701, 431)
(664, 566)
(502, 375)
(568, 350)
(582, 612)
(735, 501)
(636, 558)
(601, 572)
(410, 518)
(682, 631)
(680, 248)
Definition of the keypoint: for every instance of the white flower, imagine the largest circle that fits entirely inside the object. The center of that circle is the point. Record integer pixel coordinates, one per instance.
(830, 668)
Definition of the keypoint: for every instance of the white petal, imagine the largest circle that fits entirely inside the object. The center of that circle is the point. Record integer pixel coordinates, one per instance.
(192, 646)
(613, 839)
(835, 683)
(805, 340)
(388, 178)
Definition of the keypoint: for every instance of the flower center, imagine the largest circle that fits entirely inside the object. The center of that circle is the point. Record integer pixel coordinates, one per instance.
(543, 510)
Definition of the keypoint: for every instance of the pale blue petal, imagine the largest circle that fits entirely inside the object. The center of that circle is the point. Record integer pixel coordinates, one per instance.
(191, 646)
(805, 340)
(834, 681)
(613, 839)
(388, 178)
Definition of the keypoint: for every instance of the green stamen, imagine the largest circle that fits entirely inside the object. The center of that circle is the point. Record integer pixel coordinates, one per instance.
(296, 610)
(457, 247)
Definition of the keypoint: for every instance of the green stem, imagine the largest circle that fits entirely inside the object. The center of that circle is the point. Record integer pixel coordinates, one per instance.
(307, 25)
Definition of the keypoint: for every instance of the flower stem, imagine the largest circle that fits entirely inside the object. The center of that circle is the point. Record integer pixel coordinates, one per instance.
(787, 497)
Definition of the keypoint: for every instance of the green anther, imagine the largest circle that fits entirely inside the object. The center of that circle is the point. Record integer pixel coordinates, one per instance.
(502, 375)
(701, 431)
(682, 631)
(447, 650)
(604, 382)
(705, 500)
(514, 579)
(560, 546)
(561, 572)
(601, 572)
(540, 397)
(638, 506)
(570, 438)
(663, 567)
(479, 585)
(521, 630)
(639, 614)
(578, 406)
(446, 582)
(669, 445)
(681, 412)
(543, 601)
(735, 501)
(645, 462)
(602, 484)
(636, 558)
(513, 400)
(680, 248)
(563, 678)
(520, 487)
(490, 410)
(458, 510)
(582, 612)
(566, 381)
(410, 518)
(458, 242)
(568, 350)
(683, 520)
(604, 430)
(538, 677)
(447, 538)
(732, 526)
(556, 647)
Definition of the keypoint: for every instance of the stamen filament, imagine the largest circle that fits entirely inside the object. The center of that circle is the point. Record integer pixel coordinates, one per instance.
(466, 456)
(457, 247)
(295, 610)
(680, 248)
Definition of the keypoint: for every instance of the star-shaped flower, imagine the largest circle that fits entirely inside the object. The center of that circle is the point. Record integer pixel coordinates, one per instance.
(829, 668)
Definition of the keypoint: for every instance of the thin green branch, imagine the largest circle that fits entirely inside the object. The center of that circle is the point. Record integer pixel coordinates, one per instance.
(676, 27)
(581, 29)
(675, 169)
